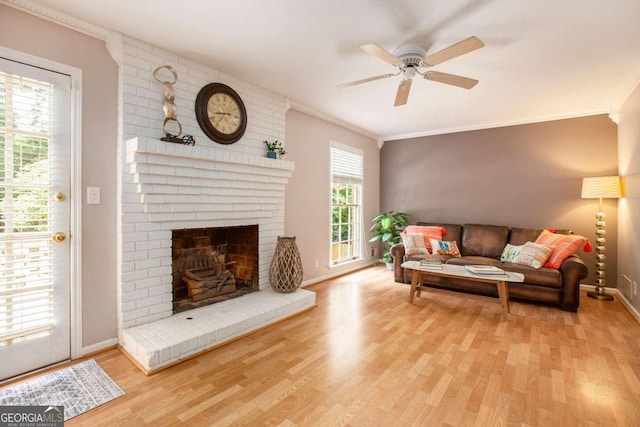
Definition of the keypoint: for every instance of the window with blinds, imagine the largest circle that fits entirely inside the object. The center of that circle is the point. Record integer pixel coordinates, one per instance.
(26, 301)
(346, 203)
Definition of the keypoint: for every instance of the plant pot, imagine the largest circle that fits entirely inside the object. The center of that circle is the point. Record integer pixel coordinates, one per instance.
(389, 266)
(272, 154)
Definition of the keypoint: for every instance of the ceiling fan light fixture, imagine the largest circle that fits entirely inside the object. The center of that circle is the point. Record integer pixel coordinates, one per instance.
(412, 59)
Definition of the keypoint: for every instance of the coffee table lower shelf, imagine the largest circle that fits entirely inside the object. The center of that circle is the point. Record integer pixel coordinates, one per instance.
(460, 271)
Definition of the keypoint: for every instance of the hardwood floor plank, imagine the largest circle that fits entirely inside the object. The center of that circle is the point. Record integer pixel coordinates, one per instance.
(365, 356)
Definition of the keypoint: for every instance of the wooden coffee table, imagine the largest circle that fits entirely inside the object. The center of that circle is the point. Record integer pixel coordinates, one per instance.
(461, 272)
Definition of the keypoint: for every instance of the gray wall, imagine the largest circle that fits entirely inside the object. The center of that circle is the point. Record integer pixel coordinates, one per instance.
(307, 205)
(524, 176)
(35, 36)
(629, 214)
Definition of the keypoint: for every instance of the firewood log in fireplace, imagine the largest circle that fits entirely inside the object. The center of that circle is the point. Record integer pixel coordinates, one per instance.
(203, 283)
(206, 273)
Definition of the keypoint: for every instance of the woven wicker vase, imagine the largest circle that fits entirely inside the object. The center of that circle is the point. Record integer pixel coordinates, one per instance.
(285, 274)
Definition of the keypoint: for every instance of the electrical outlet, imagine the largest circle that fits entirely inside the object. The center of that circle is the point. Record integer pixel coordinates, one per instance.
(632, 286)
(316, 263)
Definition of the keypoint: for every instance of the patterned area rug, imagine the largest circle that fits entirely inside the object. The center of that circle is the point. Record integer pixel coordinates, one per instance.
(78, 388)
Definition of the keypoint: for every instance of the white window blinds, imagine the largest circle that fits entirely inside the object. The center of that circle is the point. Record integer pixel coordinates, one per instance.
(346, 164)
(26, 288)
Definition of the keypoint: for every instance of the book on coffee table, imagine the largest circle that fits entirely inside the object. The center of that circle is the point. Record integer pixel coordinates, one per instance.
(486, 270)
(431, 264)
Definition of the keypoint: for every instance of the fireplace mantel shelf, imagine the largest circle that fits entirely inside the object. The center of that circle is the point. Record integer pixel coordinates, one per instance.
(203, 154)
(189, 183)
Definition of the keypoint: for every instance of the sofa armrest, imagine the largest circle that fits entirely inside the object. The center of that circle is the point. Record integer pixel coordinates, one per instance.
(397, 252)
(573, 270)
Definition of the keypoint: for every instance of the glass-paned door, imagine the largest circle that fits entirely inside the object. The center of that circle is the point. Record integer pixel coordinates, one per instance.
(35, 111)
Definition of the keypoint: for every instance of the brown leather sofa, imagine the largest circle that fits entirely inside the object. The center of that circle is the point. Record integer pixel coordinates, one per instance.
(483, 244)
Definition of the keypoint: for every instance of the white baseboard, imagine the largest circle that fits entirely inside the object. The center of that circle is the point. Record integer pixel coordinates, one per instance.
(94, 348)
(620, 296)
(337, 274)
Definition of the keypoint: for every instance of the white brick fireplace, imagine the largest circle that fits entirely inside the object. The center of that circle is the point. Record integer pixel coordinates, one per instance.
(165, 186)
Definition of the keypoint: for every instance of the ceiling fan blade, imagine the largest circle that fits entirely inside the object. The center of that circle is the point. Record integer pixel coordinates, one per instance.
(451, 79)
(385, 55)
(403, 92)
(368, 79)
(453, 51)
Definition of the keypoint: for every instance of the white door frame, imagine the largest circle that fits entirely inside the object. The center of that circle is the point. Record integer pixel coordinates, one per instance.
(75, 200)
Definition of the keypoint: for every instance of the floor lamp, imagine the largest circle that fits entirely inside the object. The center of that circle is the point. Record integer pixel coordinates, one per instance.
(601, 187)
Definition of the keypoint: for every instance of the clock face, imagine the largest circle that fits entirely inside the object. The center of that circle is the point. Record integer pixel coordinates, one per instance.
(220, 113)
(224, 113)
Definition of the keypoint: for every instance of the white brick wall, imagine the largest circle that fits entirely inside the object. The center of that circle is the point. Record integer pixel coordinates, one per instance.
(165, 186)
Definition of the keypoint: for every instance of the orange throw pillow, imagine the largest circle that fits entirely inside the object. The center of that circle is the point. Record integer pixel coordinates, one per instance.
(428, 231)
(563, 246)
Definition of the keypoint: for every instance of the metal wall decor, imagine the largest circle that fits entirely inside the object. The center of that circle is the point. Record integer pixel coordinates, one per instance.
(171, 127)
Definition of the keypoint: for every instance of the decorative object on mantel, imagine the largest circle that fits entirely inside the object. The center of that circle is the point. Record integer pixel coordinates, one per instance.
(285, 273)
(170, 110)
(274, 148)
(601, 187)
(221, 113)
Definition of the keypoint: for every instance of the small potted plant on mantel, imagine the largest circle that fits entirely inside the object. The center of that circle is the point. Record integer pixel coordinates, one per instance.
(388, 227)
(274, 148)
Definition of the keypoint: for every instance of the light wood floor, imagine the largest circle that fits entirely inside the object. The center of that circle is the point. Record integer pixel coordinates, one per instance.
(365, 356)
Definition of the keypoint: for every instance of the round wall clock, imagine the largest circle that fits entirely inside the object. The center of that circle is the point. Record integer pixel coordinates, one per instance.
(220, 113)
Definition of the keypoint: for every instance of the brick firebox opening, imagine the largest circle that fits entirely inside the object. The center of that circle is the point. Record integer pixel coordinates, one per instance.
(214, 264)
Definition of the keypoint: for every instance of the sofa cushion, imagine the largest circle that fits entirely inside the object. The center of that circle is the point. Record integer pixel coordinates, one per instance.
(519, 236)
(484, 240)
(473, 260)
(422, 257)
(548, 277)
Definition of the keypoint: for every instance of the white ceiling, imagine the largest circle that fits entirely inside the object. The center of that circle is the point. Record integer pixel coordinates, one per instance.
(543, 59)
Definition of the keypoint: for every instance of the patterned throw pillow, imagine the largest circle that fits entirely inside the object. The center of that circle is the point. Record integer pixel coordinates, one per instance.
(510, 253)
(414, 244)
(563, 246)
(428, 233)
(534, 255)
(444, 248)
(531, 254)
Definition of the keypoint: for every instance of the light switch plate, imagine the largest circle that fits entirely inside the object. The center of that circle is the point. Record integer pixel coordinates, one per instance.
(93, 195)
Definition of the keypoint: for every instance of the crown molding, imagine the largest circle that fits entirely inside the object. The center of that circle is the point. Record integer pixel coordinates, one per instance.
(616, 108)
(497, 125)
(58, 18)
(303, 108)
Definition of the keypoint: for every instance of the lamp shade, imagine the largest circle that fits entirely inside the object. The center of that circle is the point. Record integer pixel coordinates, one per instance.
(601, 187)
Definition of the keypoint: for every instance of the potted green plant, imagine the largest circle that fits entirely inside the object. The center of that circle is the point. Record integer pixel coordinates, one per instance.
(387, 228)
(273, 147)
(282, 153)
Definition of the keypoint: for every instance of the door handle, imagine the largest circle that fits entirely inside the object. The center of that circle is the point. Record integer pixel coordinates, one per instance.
(59, 237)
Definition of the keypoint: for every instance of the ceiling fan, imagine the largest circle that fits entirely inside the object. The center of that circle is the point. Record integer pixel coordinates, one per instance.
(412, 59)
